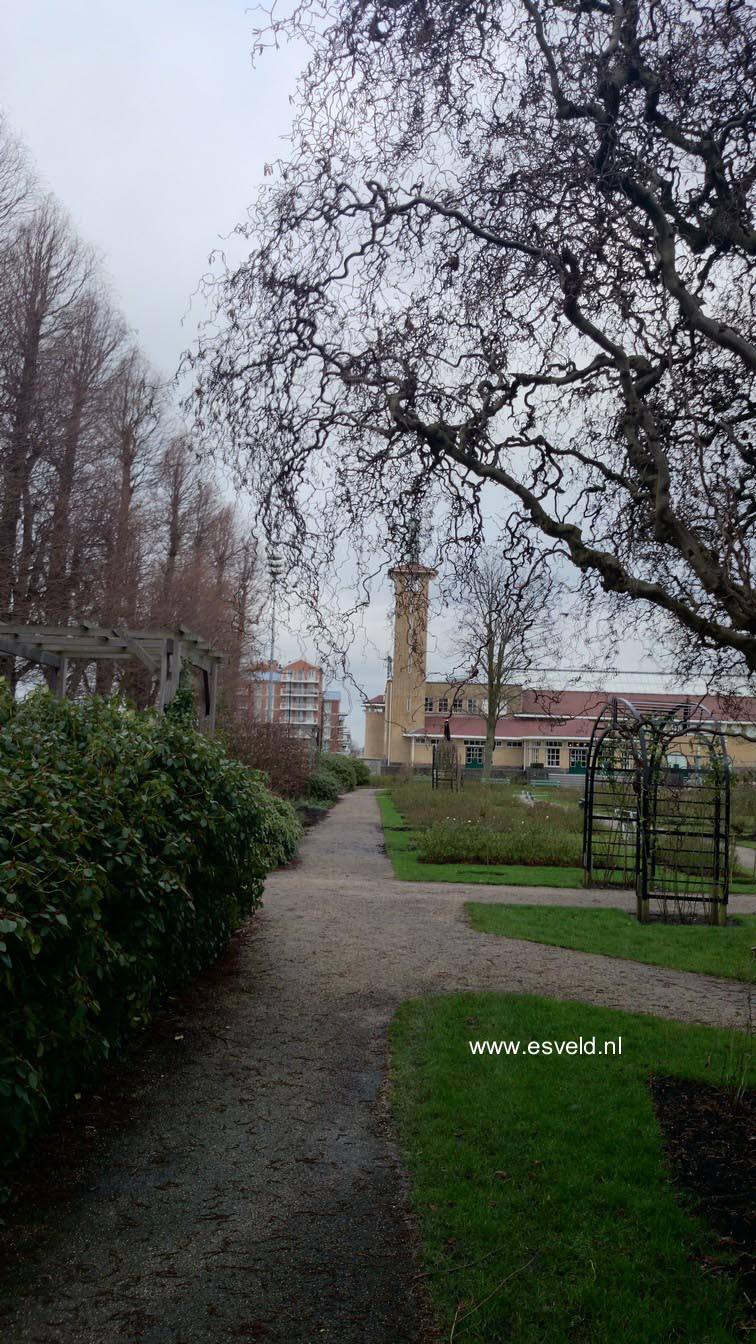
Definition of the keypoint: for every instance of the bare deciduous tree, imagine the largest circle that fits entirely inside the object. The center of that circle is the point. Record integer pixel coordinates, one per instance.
(43, 274)
(505, 619)
(106, 512)
(513, 248)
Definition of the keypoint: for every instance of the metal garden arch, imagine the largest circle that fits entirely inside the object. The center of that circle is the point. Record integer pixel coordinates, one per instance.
(652, 819)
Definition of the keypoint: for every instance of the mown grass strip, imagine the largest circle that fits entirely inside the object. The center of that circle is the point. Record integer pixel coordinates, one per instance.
(615, 933)
(540, 1184)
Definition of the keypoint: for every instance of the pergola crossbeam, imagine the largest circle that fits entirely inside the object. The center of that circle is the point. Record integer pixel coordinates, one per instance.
(162, 652)
(33, 653)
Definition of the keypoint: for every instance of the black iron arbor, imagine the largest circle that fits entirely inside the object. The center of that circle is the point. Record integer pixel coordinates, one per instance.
(655, 819)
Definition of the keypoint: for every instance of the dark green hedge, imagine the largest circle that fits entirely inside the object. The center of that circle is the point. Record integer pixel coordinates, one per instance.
(324, 786)
(341, 767)
(130, 847)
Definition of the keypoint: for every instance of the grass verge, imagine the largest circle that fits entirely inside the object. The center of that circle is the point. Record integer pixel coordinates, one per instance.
(407, 866)
(615, 933)
(540, 1185)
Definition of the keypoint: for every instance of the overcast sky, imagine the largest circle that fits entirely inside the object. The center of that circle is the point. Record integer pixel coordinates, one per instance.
(148, 122)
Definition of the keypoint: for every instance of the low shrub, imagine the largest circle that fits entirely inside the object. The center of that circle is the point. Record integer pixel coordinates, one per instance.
(310, 811)
(492, 825)
(340, 766)
(466, 842)
(323, 786)
(130, 847)
(362, 773)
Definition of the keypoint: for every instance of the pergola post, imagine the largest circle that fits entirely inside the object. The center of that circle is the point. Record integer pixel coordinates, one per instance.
(212, 698)
(170, 672)
(60, 678)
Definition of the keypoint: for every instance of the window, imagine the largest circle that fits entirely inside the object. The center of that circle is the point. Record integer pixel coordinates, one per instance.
(474, 753)
(428, 704)
(472, 706)
(578, 756)
(443, 705)
(553, 756)
(457, 704)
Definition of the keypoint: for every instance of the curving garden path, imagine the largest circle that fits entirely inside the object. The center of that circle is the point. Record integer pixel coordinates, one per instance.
(250, 1189)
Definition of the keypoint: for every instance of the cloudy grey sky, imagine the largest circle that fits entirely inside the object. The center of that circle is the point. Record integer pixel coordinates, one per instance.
(148, 122)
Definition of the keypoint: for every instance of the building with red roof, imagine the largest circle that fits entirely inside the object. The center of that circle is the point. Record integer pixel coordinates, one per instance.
(540, 727)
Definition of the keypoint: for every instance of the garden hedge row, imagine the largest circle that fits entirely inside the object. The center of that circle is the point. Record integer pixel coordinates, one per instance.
(349, 771)
(130, 847)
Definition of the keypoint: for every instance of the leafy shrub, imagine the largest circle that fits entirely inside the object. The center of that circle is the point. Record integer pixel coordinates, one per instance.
(362, 773)
(130, 847)
(323, 786)
(340, 766)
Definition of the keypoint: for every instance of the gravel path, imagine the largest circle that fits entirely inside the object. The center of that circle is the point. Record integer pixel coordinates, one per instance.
(250, 1189)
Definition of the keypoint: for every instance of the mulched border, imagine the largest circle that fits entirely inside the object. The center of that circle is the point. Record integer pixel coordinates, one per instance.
(709, 1136)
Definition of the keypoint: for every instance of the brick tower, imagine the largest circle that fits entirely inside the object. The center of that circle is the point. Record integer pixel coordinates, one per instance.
(405, 692)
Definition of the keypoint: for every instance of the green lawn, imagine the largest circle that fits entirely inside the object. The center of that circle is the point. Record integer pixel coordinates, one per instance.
(408, 867)
(614, 933)
(545, 1211)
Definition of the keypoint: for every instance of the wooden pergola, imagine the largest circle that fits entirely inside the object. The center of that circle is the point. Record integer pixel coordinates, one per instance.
(163, 652)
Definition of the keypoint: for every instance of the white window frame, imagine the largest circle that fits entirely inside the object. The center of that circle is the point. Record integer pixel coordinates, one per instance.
(551, 752)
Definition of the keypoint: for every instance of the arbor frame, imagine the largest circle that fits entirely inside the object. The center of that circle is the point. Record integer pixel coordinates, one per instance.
(163, 652)
(665, 828)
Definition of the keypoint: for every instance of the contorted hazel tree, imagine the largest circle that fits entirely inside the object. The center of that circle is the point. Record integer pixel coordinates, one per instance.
(513, 246)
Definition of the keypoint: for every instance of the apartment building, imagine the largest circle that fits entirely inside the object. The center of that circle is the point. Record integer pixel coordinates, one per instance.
(299, 701)
(335, 735)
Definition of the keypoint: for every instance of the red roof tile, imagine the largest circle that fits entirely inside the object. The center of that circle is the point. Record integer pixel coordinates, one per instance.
(560, 704)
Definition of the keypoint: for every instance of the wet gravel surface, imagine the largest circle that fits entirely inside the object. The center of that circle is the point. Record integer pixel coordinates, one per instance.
(240, 1178)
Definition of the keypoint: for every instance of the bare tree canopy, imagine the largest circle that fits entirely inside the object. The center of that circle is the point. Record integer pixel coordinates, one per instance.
(513, 246)
(505, 622)
(105, 512)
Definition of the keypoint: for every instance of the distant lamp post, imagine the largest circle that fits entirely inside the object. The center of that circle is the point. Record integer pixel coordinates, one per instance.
(275, 570)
